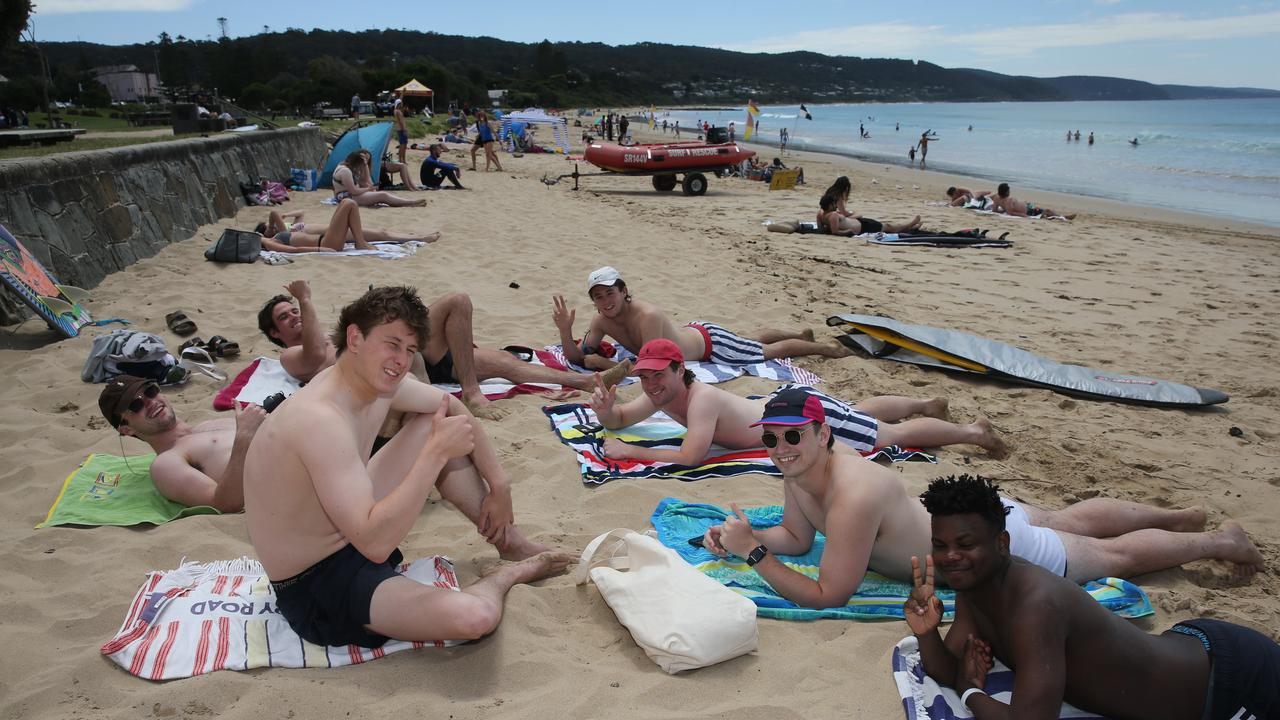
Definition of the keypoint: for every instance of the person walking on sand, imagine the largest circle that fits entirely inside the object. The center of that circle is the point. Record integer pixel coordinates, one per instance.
(632, 323)
(325, 519)
(484, 139)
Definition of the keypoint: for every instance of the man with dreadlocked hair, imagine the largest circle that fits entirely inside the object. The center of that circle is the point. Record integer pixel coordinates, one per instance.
(1061, 644)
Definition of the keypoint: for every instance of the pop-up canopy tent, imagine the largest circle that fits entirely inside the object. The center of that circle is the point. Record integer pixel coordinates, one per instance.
(370, 137)
(413, 88)
(517, 121)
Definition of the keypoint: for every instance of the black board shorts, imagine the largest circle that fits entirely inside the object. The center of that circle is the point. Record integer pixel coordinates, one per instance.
(328, 603)
(440, 371)
(1245, 678)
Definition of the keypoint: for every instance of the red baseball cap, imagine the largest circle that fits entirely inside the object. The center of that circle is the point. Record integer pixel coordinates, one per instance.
(658, 355)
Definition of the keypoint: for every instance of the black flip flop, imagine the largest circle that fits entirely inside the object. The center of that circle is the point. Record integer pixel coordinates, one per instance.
(179, 323)
(221, 347)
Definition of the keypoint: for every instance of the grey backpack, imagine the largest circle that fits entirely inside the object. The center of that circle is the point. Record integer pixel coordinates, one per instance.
(235, 246)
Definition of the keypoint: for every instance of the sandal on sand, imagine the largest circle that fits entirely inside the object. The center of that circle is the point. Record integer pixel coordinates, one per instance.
(177, 375)
(198, 359)
(195, 342)
(178, 322)
(221, 347)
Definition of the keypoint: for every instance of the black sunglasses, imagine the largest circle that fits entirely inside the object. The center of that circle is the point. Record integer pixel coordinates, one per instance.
(140, 402)
(792, 437)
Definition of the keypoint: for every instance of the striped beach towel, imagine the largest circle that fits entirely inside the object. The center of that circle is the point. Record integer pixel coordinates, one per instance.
(660, 431)
(223, 616)
(709, 372)
(924, 699)
(878, 597)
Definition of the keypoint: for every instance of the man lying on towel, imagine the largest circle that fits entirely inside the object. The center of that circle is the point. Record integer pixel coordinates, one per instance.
(448, 353)
(326, 520)
(194, 465)
(634, 322)
(870, 522)
(716, 416)
(1061, 645)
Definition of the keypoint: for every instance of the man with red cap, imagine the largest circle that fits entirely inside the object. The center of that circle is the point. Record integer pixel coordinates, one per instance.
(717, 416)
(635, 322)
(871, 523)
(200, 465)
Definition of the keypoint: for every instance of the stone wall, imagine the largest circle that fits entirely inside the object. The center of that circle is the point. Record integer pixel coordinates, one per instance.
(85, 215)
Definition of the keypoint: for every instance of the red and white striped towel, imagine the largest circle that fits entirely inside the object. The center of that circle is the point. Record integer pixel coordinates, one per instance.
(223, 616)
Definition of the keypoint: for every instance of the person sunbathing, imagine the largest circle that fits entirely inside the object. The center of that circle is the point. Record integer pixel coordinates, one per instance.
(831, 218)
(325, 520)
(960, 196)
(870, 522)
(194, 465)
(1008, 205)
(716, 416)
(1062, 644)
(449, 354)
(353, 179)
(344, 223)
(296, 229)
(634, 322)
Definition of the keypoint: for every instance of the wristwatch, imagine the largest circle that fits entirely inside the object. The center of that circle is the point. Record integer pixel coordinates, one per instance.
(757, 555)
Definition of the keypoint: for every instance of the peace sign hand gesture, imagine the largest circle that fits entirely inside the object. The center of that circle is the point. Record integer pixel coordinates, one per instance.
(923, 609)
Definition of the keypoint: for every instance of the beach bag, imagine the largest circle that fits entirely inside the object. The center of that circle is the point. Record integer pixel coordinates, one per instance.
(236, 246)
(681, 618)
(305, 180)
(276, 192)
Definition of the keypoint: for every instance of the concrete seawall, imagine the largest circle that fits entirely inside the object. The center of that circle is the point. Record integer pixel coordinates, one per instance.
(85, 215)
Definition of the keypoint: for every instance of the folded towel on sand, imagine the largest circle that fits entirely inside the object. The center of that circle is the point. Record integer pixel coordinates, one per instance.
(112, 490)
(924, 699)
(877, 597)
(389, 251)
(709, 372)
(661, 431)
(223, 616)
(265, 377)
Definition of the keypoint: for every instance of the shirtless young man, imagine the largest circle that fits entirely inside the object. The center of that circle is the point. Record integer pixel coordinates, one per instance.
(449, 353)
(830, 218)
(870, 522)
(402, 134)
(960, 196)
(326, 520)
(200, 465)
(1063, 645)
(634, 322)
(1008, 205)
(293, 222)
(715, 416)
(352, 179)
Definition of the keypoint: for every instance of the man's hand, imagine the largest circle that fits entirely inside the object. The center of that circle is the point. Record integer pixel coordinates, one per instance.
(249, 418)
(496, 515)
(975, 665)
(300, 290)
(735, 534)
(562, 314)
(603, 398)
(616, 449)
(451, 436)
(923, 609)
(711, 541)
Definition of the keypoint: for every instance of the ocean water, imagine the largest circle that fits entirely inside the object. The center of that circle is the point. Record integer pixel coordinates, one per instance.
(1215, 157)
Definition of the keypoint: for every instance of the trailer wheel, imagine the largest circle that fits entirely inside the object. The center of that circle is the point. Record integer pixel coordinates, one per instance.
(664, 183)
(695, 184)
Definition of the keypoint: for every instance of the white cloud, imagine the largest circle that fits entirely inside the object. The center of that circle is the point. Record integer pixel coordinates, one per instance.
(903, 40)
(67, 7)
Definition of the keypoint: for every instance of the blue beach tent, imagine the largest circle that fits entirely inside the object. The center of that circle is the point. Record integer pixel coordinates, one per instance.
(370, 137)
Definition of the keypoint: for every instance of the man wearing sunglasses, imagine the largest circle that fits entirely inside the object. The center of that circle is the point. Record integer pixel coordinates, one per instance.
(871, 523)
(194, 465)
(717, 416)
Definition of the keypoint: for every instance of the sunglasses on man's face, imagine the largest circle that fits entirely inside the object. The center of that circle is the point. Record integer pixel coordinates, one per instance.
(140, 402)
(792, 437)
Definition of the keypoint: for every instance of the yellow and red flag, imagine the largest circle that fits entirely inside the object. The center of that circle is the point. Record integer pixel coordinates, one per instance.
(752, 111)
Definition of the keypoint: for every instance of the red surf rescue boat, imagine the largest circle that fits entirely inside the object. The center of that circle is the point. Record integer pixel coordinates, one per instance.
(667, 161)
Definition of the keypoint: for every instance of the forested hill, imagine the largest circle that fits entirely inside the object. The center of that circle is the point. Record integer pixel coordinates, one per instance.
(297, 68)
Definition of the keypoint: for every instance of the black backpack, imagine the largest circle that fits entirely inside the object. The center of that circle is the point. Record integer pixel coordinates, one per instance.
(236, 246)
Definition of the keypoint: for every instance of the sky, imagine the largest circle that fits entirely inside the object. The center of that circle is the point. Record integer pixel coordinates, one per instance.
(1174, 41)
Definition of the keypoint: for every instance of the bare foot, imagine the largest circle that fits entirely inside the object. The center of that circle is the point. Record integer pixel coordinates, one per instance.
(936, 408)
(430, 238)
(1191, 519)
(480, 406)
(418, 203)
(989, 441)
(518, 547)
(533, 568)
(616, 374)
(837, 350)
(1240, 551)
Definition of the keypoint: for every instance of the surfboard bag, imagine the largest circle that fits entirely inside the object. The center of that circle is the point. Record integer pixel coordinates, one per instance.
(952, 350)
(235, 246)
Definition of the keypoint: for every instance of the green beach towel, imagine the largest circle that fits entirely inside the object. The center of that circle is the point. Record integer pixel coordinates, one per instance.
(111, 490)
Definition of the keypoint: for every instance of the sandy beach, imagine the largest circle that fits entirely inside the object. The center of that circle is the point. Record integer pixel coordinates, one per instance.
(1125, 288)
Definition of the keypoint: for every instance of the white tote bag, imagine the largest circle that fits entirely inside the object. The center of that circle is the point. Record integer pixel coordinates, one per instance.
(681, 618)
